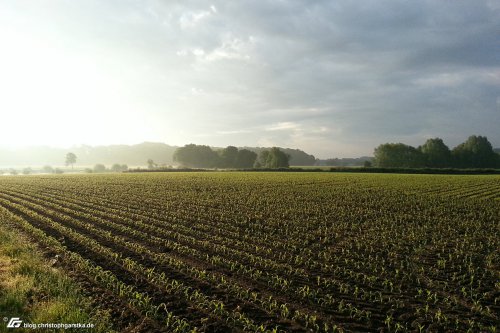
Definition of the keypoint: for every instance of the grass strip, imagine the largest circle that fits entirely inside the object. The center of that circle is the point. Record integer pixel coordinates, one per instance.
(34, 290)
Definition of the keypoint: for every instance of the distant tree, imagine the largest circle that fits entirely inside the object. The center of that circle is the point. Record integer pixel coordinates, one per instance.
(118, 167)
(13, 171)
(398, 155)
(261, 161)
(228, 157)
(197, 156)
(151, 164)
(88, 170)
(476, 152)
(70, 159)
(273, 158)
(367, 164)
(48, 169)
(435, 153)
(245, 159)
(58, 171)
(27, 171)
(99, 168)
(299, 157)
(278, 159)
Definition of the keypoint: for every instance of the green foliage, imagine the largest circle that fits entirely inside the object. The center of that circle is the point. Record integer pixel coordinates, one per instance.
(476, 152)
(227, 157)
(297, 156)
(245, 159)
(196, 156)
(272, 159)
(35, 292)
(398, 155)
(261, 160)
(435, 153)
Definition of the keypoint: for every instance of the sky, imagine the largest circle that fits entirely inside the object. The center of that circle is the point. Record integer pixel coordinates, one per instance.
(333, 78)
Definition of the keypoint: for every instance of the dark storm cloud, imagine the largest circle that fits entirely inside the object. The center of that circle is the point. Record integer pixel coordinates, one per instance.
(388, 70)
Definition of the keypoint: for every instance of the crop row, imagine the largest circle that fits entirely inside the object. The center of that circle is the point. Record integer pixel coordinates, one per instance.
(285, 252)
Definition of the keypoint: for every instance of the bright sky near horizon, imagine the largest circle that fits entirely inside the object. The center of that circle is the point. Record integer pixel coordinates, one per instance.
(332, 78)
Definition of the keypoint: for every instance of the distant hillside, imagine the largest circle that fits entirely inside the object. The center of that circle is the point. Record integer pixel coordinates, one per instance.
(496, 150)
(133, 155)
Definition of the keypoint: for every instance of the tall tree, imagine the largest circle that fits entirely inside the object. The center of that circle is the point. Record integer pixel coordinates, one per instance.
(70, 159)
(397, 155)
(261, 161)
(197, 156)
(228, 157)
(273, 158)
(475, 152)
(278, 159)
(435, 153)
(245, 159)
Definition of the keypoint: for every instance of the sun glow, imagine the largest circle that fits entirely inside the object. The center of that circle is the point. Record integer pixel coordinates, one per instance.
(43, 89)
(56, 96)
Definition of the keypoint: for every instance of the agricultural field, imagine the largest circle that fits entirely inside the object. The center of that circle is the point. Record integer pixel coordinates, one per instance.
(271, 252)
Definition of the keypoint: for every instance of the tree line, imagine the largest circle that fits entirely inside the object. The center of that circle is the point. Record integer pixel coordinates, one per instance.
(201, 156)
(475, 152)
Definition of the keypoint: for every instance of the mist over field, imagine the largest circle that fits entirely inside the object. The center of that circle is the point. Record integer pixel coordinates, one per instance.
(334, 79)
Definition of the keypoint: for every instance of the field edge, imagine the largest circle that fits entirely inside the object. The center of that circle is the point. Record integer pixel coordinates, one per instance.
(35, 290)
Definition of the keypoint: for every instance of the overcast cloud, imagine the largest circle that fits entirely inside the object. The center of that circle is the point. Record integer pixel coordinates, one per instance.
(334, 78)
